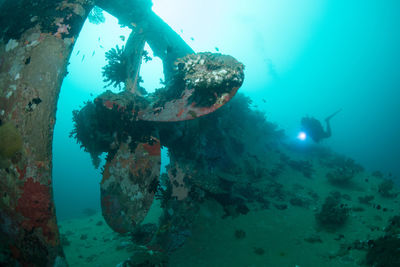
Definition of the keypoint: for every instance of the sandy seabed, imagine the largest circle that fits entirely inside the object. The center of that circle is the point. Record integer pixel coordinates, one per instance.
(273, 237)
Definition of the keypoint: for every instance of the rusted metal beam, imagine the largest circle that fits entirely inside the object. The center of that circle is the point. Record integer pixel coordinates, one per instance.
(134, 53)
(164, 42)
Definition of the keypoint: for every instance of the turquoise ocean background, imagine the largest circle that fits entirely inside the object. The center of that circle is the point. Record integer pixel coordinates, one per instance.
(308, 57)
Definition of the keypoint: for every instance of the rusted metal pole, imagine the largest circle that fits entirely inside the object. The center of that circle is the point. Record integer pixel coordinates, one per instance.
(133, 53)
(165, 43)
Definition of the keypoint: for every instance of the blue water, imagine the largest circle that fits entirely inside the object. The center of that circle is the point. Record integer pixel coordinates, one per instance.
(307, 57)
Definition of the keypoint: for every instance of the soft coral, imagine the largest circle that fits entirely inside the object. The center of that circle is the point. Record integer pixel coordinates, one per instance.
(35, 205)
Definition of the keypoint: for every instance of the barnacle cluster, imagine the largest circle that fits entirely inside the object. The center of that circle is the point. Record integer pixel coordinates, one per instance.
(208, 69)
(210, 75)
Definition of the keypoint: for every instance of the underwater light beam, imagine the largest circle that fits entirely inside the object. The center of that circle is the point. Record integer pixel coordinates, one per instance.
(302, 136)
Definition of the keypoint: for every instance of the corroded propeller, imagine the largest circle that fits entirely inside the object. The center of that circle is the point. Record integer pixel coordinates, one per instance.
(201, 84)
(129, 183)
(197, 84)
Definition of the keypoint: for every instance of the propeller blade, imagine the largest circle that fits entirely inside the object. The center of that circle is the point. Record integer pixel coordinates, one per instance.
(202, 83)
(129, 183)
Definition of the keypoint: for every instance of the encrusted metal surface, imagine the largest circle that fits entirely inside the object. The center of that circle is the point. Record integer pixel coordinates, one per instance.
(34, 52)
(202, 83)
(129, 183)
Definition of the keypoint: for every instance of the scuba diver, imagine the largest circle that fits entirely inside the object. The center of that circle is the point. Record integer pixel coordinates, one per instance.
(313, 127)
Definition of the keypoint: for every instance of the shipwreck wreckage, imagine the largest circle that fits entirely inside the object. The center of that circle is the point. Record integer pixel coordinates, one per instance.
(37, 38)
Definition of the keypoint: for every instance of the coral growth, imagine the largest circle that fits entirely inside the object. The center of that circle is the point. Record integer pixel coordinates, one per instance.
(90, 132)
(212, 151)
(115, 72)
(384, 251)
(10, 140)
(101, 127)
(219, 140)
(333, 214)
(209, 74)
(344, 170)
(62, 29)
(303, 166)
(386, 187)
(394, 226)
(143, 234)
(35, 205)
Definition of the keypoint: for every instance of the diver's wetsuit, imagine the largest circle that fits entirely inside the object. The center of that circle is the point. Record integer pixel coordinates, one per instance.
(314, 129)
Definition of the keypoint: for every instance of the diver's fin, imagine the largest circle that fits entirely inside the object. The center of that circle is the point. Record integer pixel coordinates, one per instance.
(330, 116)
